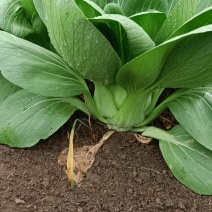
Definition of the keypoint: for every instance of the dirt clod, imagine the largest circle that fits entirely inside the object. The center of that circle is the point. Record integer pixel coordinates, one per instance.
(19, 201)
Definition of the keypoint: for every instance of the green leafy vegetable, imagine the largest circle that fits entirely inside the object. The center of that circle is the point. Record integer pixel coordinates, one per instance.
(128, 52)
(139, 41)
(39, 7)
(89, 8)
(193, 110)
(151, 21)
(188, 160)
(26, 118)
(78, 42)
(13, 18)
(132, 78)
(37, 69)
(7, 88)
(182, 11)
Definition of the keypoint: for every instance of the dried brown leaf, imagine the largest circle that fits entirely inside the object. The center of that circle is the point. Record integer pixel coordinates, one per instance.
(142, 139)
(83, 159)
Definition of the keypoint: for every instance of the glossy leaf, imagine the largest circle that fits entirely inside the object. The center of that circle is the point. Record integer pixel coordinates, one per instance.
(182, 11)
(189, 161)
(25, 118)
(150, 21)
(39, 8)
(189, 63)
(171, 5)
(131, 7)
(140, 72)
(193, 110)
(201, 19)
(203, 4)
(81, 45)
(6, 88)
(139, 41)
(89, 8)
(37, 69)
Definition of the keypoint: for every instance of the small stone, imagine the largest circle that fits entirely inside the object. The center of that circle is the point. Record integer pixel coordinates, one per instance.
(45, 182)
(130, 191)
(123, 157)
(130, 209)
(79, 210)
(19, 201)
(169, 202)
(158, 200)
(181, 205)
(144, 175)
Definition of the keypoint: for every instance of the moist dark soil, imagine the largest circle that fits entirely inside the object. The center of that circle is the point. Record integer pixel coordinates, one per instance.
(126, 176)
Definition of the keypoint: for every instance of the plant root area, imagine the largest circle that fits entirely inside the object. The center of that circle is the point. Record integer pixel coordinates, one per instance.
(126, 176)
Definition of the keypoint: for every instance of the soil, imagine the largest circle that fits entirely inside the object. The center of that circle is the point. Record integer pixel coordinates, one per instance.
(126, 176)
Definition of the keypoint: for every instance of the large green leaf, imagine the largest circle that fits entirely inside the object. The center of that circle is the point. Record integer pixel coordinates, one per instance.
(25, 118)
(190, 162)
(150, 21)
(131, 7)
(201, 19)
(193, 110)
(189, 63)
(182, 11)
(37, 69)
(171, 5)
(203, 4)
(81, 45)
(142, 71)
(39, 8)
(139, 41)
(89, 8)
(13, 18)
(6, 88)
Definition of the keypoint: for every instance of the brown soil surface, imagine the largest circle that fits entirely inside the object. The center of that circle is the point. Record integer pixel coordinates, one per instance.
(126, 176)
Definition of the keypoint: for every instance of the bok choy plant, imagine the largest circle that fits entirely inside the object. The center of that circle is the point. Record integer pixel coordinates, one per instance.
(131, 50)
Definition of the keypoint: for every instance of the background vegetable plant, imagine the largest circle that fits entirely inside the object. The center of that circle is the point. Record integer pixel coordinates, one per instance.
(131, 50)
